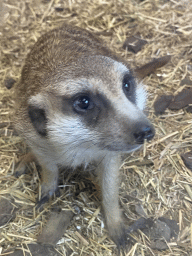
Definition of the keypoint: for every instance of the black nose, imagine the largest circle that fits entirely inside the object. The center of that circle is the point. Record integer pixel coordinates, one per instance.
(144, 133)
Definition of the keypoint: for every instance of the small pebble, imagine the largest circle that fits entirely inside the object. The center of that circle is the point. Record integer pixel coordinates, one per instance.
(187, 159)
(9, 82)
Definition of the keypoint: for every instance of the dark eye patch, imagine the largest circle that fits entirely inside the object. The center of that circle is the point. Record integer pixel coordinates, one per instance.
(89, 107)
(38, 119)
(129, 87)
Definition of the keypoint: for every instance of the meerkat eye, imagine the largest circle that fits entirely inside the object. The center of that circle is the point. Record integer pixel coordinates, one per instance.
(128, 85)
(83, 103)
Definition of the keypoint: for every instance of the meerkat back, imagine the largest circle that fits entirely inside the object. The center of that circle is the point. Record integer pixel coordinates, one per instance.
(78, 103)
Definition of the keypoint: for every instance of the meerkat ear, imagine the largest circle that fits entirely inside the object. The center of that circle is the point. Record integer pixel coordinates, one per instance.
(37, 115)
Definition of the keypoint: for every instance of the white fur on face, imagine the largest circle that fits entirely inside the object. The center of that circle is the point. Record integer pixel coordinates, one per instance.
(126, 109)
(120, 68)
(141, 96)
(140, 90)
(37, 100)
(74, 144)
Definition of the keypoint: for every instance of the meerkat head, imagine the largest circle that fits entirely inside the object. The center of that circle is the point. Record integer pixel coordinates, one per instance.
(93, 105)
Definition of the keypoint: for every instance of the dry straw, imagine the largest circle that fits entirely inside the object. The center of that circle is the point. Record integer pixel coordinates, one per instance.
(157, 177)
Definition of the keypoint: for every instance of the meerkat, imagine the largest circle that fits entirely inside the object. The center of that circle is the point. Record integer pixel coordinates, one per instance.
(78, 103)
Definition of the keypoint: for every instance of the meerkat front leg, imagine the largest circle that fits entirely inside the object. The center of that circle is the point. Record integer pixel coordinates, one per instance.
(109, 181)
(49, 182)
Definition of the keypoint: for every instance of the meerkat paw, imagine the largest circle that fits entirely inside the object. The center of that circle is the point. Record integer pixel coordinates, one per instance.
(118, 233)
(47, 191)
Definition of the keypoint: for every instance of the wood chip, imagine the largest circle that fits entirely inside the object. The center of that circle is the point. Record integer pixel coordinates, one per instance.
(162, 103)
(181, 100)
(187, 159)
(134, 44)
(150, 67)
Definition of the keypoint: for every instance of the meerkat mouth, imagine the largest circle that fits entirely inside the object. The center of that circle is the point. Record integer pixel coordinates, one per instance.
(122, 149)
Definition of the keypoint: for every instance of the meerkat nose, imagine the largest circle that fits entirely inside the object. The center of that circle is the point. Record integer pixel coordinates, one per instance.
(144, 132)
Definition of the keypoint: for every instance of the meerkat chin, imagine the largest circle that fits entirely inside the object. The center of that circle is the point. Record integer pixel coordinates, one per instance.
(77, 102)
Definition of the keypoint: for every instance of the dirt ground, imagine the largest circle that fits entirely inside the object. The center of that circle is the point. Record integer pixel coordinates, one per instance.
(155, 182)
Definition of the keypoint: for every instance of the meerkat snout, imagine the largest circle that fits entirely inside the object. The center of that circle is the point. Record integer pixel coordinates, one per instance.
(144, 132)
(78, 103)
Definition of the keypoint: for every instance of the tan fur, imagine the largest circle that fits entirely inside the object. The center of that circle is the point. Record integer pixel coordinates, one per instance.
(63, 63)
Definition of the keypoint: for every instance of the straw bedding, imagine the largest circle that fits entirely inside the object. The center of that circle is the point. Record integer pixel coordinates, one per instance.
(154, 181)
